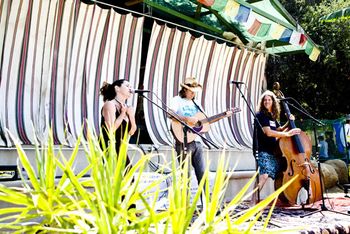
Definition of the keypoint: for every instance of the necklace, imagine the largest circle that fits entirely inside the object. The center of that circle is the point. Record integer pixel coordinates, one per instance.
(121, 103)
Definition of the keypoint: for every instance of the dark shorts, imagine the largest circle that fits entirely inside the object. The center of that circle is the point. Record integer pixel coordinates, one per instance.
(268, 164)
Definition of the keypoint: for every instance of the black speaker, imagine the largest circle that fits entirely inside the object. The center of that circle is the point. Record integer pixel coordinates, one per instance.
(8, 173)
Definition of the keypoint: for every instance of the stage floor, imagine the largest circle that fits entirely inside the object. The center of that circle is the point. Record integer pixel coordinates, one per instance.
(289, 218)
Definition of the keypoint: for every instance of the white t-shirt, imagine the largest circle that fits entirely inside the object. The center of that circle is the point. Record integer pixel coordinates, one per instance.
(183, 106)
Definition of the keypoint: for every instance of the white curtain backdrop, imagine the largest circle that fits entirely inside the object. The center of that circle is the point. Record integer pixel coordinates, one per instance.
(54, 57)
(174, 55)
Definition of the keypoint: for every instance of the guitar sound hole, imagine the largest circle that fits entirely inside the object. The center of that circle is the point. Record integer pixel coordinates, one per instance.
(198, 124)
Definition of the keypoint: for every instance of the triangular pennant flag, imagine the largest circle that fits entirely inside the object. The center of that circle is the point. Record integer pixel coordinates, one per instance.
(206, 2)
(286, 35)
(264, 30)
(243, 14)
(302, 40)
(277, 31)
(219, 5)
(255, 27)
(295, 38)
(231, 9)
(314, 54)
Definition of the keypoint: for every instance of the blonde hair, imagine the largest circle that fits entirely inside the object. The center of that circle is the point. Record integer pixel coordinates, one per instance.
(276, 109)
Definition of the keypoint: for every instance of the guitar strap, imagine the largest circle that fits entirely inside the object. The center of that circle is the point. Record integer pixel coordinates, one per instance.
(201, 110)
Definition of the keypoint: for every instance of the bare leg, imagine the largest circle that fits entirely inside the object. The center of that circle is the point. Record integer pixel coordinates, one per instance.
(262, 180)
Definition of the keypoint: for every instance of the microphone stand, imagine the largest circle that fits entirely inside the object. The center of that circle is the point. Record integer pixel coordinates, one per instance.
(255, 136)
(301, 109)
(323, 205)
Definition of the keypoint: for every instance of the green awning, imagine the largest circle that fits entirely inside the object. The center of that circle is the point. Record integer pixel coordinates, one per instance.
(256, 23)
(340, 14)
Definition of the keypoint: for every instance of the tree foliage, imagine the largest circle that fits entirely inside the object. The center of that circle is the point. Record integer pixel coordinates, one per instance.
(322, 87)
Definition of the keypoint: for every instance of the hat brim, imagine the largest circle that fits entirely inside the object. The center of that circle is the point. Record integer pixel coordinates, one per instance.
(193, 89)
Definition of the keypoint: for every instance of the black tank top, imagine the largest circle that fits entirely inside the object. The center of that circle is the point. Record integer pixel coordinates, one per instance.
(119, 133)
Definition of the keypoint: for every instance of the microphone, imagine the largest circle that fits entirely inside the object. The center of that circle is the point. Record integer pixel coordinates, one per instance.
(140, 91)
(236, 82)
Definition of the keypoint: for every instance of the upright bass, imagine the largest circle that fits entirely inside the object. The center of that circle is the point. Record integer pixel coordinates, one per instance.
(306, 189)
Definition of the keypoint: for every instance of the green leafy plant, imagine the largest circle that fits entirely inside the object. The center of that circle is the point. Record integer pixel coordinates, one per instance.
(99, 198)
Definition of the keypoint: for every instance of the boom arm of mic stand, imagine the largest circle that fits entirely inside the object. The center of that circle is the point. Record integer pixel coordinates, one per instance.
(172, 115)
(303, 111)
(249, 106)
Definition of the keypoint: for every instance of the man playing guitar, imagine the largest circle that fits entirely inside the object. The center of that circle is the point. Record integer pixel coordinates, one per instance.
(187, 110)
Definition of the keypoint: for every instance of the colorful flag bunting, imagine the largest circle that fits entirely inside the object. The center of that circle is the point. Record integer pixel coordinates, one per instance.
(302, 40)
(243, 14)
(277, 31)
(206, 2)
(250, 21)
(308, 48)
(219, 5)
(314, 54)
(264, 30)
(231, 9)
(295, 38)
(255, 27)
(286, 35)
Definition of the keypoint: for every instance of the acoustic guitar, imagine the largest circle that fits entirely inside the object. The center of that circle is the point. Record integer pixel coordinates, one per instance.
(202, 126)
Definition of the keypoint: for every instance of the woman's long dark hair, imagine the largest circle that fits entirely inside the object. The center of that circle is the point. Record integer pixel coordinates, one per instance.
(107, 90)
(276, 109)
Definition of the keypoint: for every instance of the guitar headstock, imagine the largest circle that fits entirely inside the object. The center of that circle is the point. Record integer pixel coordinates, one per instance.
(233, 111)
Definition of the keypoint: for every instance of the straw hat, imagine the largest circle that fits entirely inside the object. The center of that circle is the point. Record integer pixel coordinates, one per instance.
(191, 84)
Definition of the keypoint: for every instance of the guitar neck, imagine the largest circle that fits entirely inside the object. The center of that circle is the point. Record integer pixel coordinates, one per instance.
(214, 118)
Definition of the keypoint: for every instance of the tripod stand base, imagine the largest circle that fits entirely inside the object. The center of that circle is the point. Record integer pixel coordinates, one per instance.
(323, 208)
